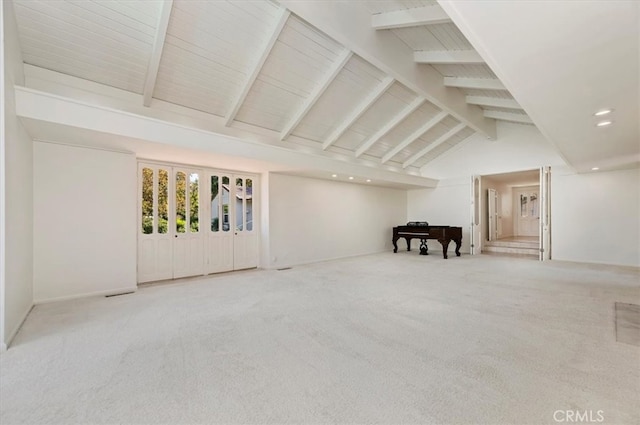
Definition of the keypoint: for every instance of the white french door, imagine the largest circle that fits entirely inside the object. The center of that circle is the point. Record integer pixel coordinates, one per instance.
(188, 244)
(155, 238)
(527, 211)
(245, 240)
(194, 222)
(232, 235)
(492, 205)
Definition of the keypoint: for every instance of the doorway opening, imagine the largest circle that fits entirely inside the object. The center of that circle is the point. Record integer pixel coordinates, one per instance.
(514, 214)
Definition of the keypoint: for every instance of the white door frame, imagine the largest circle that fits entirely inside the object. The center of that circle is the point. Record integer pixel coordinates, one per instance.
(545, 213)
(476, 215)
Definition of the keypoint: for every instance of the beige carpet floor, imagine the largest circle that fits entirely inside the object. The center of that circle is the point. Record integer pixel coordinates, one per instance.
(380, 339)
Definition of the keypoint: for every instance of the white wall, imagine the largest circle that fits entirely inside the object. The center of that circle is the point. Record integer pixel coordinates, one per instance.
(84, 222)
(313, 220)
(449, 204)
(17, 160)
(519, 147)
(595, 217)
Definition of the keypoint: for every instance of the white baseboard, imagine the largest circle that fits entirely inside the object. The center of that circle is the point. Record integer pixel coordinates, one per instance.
(321, 260)
(4, 345)
(87, 294)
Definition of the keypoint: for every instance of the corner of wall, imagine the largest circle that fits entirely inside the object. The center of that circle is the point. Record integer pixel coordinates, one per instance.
(17, 198)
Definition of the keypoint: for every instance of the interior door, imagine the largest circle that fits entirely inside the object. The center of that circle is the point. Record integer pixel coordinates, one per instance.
(545, 213)
(476, 215)
(245, 244)
(155, 244)
(188, 246)
(527, 211)
(492, 204)
(219, 231)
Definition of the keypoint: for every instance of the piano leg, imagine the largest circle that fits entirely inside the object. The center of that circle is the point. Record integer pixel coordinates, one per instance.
(424, 249)
(458, 244)
(408, 243)
(395, 245)
(445, 247)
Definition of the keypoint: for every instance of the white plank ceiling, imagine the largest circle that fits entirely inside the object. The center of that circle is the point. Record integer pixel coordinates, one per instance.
(256, 64)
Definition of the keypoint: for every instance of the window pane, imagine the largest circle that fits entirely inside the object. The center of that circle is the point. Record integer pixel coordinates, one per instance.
(194, 202)
(225, 204)
(147, 201)
(239, 204)
(215, 205)
(249, 198)
(181, 201)
(163, 201)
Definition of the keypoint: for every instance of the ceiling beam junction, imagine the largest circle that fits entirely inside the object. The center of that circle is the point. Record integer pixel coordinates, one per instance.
(508, 116)
(493, 102)
(156, 52)
(358, 111)
(414, 136)
(440, 140)
(447, 57)
(426, 15)
(408, 110)
(257, 67)
(474, 83)
(318, 91)
(349, 23)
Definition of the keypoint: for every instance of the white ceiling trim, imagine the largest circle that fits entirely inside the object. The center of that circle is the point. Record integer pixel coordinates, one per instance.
(427, 15)
(318, 91)
(358, 112)
(474, 83)
(447, 57)
(413, 137)
(251, 78)
(442, 139)
(508, 116)
(58, 109)
(493, 102)
(156, 53)
(408, 110)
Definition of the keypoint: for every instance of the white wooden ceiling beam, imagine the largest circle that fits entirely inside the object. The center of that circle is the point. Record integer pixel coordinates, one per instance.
(440, 140)
(156, 52)
(447, 57)
(474, 83)
(493, 102)
(508, 116)
(315, 95)
(358, 112)
(349, 23)
(257, 67)
(427, 15)
(414, 136)
(408, 110)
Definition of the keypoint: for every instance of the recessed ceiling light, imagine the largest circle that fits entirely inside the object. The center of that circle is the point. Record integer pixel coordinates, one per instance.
(350, 178)
(334, 175)
(604, 123)
(595, 169)
(368, 180)
(603, 112)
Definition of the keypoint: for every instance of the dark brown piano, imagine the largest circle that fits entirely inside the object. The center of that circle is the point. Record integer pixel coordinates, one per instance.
(423, 231)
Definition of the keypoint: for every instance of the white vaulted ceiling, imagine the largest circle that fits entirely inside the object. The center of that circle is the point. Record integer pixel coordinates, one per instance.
(390, 84)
